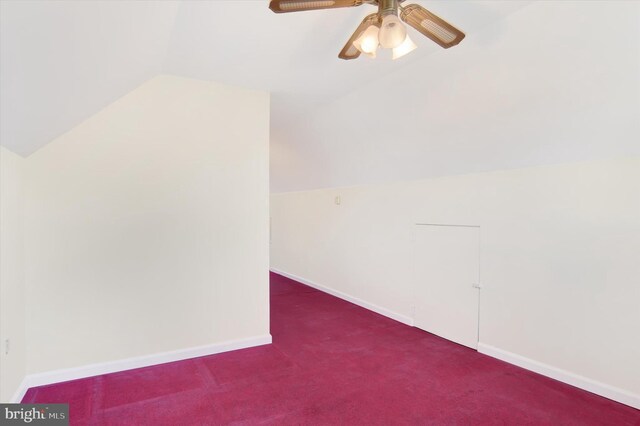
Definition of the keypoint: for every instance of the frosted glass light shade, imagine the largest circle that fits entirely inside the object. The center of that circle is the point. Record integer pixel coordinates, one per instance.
(392, 32)
(367, 43)
(407, 46)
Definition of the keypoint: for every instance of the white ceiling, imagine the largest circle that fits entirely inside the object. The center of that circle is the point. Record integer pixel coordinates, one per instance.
(546, 85)
(63, 61)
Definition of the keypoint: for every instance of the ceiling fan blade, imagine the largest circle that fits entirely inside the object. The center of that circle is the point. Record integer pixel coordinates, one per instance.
(284, 6)
(349, 51)
(432, 26)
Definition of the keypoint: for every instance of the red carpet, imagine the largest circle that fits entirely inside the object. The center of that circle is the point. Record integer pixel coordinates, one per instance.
(333, 363)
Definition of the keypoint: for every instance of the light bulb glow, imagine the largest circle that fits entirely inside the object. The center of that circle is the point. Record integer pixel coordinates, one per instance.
(367, 43)
(407, 46)
(392, 32)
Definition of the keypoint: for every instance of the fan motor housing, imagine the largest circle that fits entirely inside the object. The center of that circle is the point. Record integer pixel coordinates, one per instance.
(388, 7)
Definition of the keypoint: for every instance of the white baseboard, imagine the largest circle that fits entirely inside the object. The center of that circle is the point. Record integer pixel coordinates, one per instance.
(356, 301)
(56, 376)
(564, 376)
(22, 389)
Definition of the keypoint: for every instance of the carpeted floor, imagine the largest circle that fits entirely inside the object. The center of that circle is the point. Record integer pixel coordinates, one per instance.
(332, 362)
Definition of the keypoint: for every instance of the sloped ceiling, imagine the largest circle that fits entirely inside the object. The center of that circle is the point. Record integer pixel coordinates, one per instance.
(545, 86)
(63, 61)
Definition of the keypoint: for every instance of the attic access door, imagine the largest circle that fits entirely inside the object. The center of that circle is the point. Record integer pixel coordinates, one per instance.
(447, 267)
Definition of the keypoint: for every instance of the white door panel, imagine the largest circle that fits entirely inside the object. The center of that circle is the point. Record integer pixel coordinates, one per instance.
(447, 266)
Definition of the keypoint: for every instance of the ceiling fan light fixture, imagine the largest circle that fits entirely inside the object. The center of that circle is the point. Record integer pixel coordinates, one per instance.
(392, 32)
(386, 29)
(367, 43)
(407, 46)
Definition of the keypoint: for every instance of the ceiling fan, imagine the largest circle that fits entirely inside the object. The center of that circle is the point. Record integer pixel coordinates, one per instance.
(383, 28)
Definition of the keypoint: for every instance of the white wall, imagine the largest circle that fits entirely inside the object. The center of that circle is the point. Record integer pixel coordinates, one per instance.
(555, 82)
(12, 287)
(560, 256)
(147, 227)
